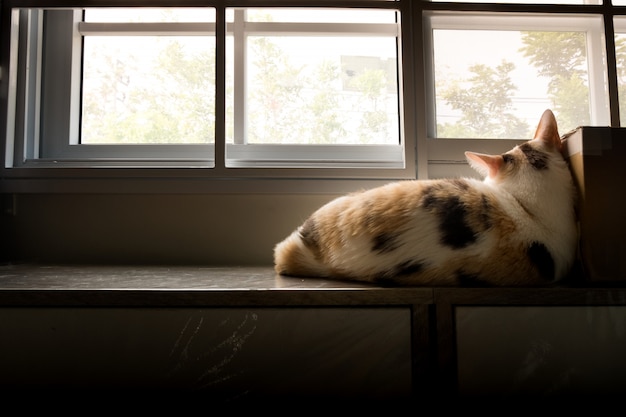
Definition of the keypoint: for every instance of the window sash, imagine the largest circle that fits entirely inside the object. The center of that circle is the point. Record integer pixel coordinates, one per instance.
(445, 152)
(425, 157)
(59, 151)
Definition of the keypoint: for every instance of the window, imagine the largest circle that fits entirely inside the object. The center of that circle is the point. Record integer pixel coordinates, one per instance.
(301, 88)
(532, 62)
(620, 52)
(308, 96)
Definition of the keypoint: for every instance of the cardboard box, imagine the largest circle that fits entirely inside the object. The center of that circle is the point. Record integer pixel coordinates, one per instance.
(597, 158)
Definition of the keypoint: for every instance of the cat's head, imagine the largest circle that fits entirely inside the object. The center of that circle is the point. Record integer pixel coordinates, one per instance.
(525, 160)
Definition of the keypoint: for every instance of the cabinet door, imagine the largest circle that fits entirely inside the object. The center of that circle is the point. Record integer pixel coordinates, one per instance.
(564, 351)
(231, 353)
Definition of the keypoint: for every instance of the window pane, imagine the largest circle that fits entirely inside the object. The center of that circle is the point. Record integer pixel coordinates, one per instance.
(531, 1)
(311, 90)
(146, 14)
(497, 92)
(148, 89)
(320, 15)
(620, 55)
(317, 88)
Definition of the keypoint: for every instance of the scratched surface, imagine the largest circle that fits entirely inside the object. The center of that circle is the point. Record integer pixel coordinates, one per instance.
(550, 352)
(226, 353)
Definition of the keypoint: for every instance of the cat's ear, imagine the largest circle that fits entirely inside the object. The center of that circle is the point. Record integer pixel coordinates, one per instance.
(548, 131)
(486, 165)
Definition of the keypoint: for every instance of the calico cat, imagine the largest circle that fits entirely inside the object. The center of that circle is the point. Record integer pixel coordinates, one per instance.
(516, 227)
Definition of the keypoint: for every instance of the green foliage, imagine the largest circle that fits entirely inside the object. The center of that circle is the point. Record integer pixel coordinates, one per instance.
(484, 99)
(302, 105)
(562, 56)
(173, 112)
(571, 100)
(555, 53)
(372, 84)
(291, 104)
(287, 101)
(275, 95)
(485, 102)
(328, 122)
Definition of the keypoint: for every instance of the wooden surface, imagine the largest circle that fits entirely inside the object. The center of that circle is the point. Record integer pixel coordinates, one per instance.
(432, 310)
(35, 284)
(29, 276)
(177, 285)
(43, 300)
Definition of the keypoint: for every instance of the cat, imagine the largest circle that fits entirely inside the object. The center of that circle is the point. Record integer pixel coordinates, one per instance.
(515, 227)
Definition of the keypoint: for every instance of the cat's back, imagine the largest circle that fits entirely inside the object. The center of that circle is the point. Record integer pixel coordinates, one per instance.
(407, 231)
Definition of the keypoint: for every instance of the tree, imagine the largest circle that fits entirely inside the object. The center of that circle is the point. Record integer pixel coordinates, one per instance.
(562, 57)
(559, 56)
(484, 100)
(327, 121)
(372, 83)
(275, 100)
(288, 101)
(125, 106)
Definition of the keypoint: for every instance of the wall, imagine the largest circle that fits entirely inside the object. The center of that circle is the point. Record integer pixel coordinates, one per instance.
(223, 229)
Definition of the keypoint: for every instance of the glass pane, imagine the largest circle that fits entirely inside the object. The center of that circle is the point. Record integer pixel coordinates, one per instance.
(620, 55)
(314, 90)
(320, 15)
(529, 1)
(144, 15)
(320, 88)
(498, 91)
(148, 89)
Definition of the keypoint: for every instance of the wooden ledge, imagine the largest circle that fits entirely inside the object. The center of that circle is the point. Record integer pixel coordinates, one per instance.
(32, 284)
(132, 285)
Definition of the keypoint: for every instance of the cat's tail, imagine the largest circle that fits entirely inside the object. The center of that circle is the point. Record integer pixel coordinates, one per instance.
(292, 257)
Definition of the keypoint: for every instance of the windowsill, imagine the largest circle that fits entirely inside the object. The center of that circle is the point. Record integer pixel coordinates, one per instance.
(33, 284)
(130, 277)
(93, 285)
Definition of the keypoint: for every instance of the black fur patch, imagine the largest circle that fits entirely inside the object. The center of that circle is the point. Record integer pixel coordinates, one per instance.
(471, 280)
(537, 159)
(409, 268)
(385, 242)
(455, 231)
(542, 259)
(460, 184)
(386, 281)
(309, 235)
(485, 214)
(395, 275)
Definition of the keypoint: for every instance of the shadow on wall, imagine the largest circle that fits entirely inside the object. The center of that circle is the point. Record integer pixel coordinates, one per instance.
(152, 229)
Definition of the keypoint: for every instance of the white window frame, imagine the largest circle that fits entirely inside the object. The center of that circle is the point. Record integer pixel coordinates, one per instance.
(443, 153)
(64, 149)
(425, 156)
(295, 161)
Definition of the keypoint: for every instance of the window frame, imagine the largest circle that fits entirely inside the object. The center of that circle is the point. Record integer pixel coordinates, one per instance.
(443, 152)
(426, 157)
(70, 163)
